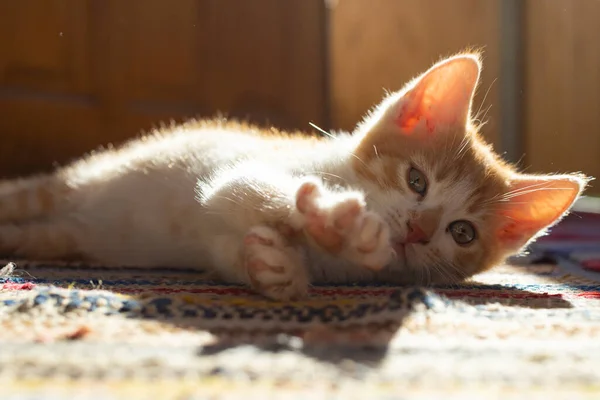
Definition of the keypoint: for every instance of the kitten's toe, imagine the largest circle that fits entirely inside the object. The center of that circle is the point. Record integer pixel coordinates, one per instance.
(340, 223)
(272, 268)
(337, 210)
(369, 242)
(307, 197)
(326, 216)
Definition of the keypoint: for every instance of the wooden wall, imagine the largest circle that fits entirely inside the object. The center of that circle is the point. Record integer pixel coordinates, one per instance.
(75, 74)
(562, 87)
(383, 44)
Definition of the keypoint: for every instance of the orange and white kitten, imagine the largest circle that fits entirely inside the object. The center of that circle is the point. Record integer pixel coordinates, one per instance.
(413, 195)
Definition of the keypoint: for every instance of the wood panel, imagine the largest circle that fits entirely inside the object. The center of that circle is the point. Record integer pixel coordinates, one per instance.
(562, 92)
(75, 74)
(47, 94)
(261, 60)
(385, 44)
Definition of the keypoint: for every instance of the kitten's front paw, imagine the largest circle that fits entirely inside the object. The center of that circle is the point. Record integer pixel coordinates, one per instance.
(341, 224)
(273, 268)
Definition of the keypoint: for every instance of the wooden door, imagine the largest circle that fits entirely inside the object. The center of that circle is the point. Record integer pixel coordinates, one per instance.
(75, 74)
(562, 87)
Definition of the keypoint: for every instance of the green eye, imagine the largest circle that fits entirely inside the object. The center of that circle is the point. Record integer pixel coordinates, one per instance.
(417, 181)
(463, 232)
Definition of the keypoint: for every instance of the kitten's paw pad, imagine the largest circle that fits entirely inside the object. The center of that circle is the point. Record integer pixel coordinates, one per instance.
(341, 224)
(273, 269)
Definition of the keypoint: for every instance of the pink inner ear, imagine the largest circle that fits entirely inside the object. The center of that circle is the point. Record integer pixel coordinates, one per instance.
(414, 110)
(442, 96)
(534, 203)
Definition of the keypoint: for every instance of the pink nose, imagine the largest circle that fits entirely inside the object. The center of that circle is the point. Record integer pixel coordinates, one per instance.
(416, 234)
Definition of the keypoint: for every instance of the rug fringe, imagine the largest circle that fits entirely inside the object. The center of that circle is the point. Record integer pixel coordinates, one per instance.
(7, 270)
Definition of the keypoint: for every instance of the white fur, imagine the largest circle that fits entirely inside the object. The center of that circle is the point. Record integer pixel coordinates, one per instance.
(222, 183)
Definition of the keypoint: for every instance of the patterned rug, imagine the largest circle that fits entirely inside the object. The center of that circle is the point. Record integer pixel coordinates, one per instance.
(76, 331)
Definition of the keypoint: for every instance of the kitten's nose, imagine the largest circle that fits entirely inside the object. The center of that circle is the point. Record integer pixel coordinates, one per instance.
(416, 234)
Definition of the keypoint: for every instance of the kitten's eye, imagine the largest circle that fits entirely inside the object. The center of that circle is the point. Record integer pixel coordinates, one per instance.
(463, 232)
(417, 181)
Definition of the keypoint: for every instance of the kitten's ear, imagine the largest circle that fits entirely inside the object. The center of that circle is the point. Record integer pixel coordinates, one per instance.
(442, 96)
(535, 203)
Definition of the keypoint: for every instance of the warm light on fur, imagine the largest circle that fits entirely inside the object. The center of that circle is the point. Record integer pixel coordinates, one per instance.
(278, 211)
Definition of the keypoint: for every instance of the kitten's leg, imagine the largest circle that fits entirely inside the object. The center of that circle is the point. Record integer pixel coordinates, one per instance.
(273, 267)
(41, 240)
(340, 224)
(35, 197)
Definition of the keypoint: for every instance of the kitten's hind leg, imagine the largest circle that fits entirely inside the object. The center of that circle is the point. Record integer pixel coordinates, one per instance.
(40, 240)
(29, 198)
(271, 266)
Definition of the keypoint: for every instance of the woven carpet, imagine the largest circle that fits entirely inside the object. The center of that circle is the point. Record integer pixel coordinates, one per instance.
(79, 331)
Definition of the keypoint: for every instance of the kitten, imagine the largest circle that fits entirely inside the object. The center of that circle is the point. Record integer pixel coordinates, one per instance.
(413, 195)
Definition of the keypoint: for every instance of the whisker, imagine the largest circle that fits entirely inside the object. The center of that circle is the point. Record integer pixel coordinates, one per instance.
(328, 174)
(539, 184)
(438, 266)
(485, 98)
(237, 203)
(359, 159)
(459, 272)
(482, 121)
(421, 279)
(462, 147)
(375, 149)
(542, 186)
(445, 266)
(323, 131)
(426, 273)
(524, 192)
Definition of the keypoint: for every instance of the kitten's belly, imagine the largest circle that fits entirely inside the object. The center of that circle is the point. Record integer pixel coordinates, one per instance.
(145, 251)
(147, 230)
(141, 241)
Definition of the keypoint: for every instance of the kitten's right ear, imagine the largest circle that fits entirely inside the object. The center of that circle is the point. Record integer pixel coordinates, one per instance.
(440, 98)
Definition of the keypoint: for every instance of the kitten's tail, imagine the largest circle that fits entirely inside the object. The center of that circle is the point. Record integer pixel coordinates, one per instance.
(29, 198)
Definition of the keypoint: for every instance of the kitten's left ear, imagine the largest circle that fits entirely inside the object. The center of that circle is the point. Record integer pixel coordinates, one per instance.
(442, 96)
(535, 203)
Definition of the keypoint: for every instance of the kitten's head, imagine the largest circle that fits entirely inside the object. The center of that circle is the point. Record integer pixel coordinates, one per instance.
(454, 207)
